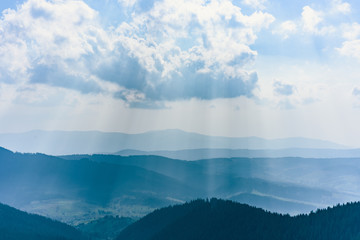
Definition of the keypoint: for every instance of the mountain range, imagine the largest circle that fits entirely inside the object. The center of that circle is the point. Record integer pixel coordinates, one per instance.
(89, 142)
(208, 153)
(209, 219)
(74, 191)
(80, 188)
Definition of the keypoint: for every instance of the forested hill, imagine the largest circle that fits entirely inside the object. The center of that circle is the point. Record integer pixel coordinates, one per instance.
(16, 224)
(220, 219)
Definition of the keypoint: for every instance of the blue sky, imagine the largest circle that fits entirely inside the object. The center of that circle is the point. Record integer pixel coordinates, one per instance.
(235, 68)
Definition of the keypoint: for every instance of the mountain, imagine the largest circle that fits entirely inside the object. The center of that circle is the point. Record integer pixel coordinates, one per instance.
(105, 228)
(219, 219)
(79, 188)
(207, 153)
(62, 142)
(16, 224)
(74, 191)
(285, 185)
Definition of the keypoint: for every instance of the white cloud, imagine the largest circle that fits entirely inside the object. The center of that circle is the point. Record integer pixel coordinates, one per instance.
(351, 31)
(311, 19)
(217, 31)
(283, 89)
(53, 27)
(350, 48)
(257, 4)
(127, 3)
(285, 29)
(313, 22)
(338, 6)
(190, 44)
(317, 22)
(53, 35)
(170, 52)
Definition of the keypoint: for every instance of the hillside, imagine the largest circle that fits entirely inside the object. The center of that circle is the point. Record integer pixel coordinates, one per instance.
(219, 219)
(15, 225)
(80, 188)
(75, 191)
(105, 228)
(285, 185)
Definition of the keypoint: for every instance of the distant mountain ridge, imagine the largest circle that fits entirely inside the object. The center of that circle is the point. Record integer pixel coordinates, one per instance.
(207, 153)
(89, 142)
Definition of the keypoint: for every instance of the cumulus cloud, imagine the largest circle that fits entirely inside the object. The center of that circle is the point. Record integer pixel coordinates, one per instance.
(172, 51)
(351, 45)
(127, 3)
(285, 29)
(194, 49)
(317, 21)
(350, 48)
(313, 22)
(356, 92)
(257, 4)
(47, 43)
(338, 6)
(284, 89)
(320, 22)
(55, 76)
(311, 19)
(351, 31)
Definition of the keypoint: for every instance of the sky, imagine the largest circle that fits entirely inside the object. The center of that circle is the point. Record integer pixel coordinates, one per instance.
(266, 68)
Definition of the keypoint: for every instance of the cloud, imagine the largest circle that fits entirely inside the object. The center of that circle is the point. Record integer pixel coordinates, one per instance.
(351, 31)
(167, 52)
(285, 104)
(350, 48)
(194, 49)
(356, 95)
(137, 6)
(351, 44)
(54, 76)
(283, 88)
(285, 29)
(356, 92)
(338, 6)
(47, 43)
(127, 3)
(311, 19)
(257, 4)
(313, 22)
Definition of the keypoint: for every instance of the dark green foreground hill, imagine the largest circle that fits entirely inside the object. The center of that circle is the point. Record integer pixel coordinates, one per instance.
(220, 219)
(16, 225)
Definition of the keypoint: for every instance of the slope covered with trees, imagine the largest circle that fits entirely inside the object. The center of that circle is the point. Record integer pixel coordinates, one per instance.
(78, 191)
(16, 224)
(80, 188)
(219, 219)
(105, 228)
